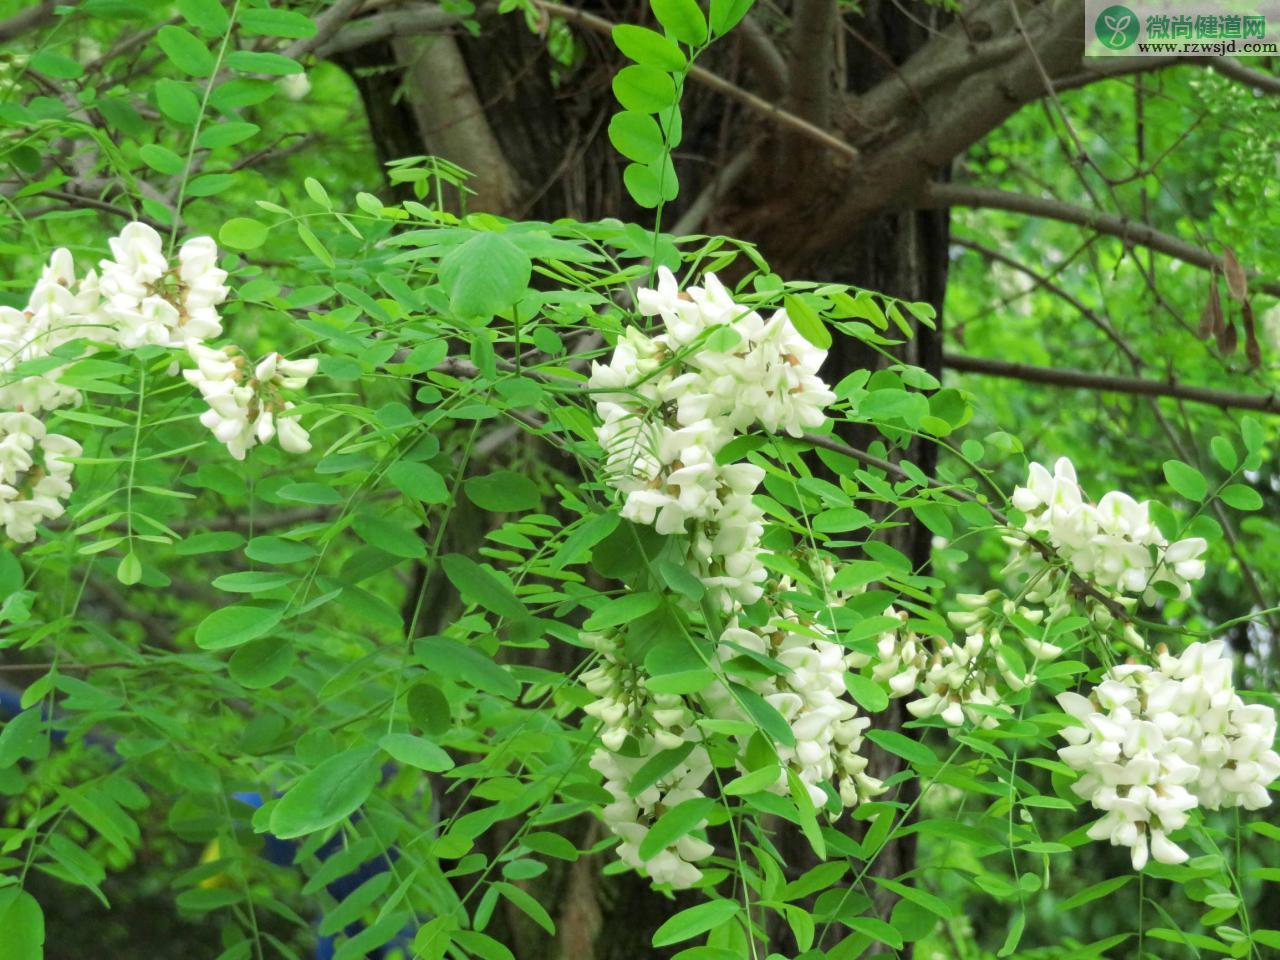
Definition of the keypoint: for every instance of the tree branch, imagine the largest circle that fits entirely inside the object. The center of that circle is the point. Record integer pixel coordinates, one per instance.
(1112, 383)
(327, 24)
(420, 18)
(27, 20)
(942, 195)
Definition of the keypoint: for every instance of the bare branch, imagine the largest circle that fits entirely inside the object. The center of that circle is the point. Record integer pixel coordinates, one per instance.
(1228, 67)
(420, 18)
(1111, 383)
(763, 55)
(327, 24)
(27, 20)
(942, 195)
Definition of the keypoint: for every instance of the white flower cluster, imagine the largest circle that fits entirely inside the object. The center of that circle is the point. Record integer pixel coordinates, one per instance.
(655, 722)
(1114, 544)
(812, 698)
(631, 818)
(1157, 742)
(954, 679)
(35, 474)
(670, 403)
(138, 299)
(147, 300)
(245, 406)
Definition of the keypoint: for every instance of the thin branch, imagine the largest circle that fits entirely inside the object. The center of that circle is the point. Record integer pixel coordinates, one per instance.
(1228, 67)
(420, 18)
(942, 195)
(1112, 383)
(762, 54)
(27, 20)
(327, 24)
(758, 105)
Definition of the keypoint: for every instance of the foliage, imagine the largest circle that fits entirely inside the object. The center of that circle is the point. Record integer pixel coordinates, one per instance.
(396, 651)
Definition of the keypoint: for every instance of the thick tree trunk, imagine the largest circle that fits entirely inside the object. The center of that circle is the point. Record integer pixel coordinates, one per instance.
(487, 104)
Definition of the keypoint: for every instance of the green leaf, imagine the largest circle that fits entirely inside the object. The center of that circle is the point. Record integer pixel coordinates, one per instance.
(261, 663)
(177, 101)
(419, 481)
(210, 184)
(867, 692)
(416, 752)
(1014, 936)
(277, 550)
(208, 16)
(766, 717)
(624, 609)
(485, 275)
(454, 660)
(129, 571)
(226, 134)
(876, 929)
(753, 782)
(276, 23)
(232, 626)
(674, 824)
(503, 491)
(478, 585)
(695, 920)
(57, 65)
(390, 536)
(644, 89)
(242, 233)
(161, 159)
(726, 14)
(807, 322)
(648, 47)
(923, 898)
(682, 19)
(1238, 496)
(527, 905)
(808, 814)
(636, 136)
(1186, 480)
(272, 64)
(429, 708)
(903, 746)
(326, 795)
(23, 924)
(185, 51)
(1224, 453)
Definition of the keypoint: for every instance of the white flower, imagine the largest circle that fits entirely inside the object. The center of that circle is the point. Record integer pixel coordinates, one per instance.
(35, 474)
(245, 410)
(1156, 742)
(295, 86)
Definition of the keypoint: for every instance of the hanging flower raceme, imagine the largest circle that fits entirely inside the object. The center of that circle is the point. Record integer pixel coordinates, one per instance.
(147, 300)
(35, 474)
(1155, 742)
(1113, 544)
(957, 680)
(668, 404)
(811, 697)
(245, 403)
